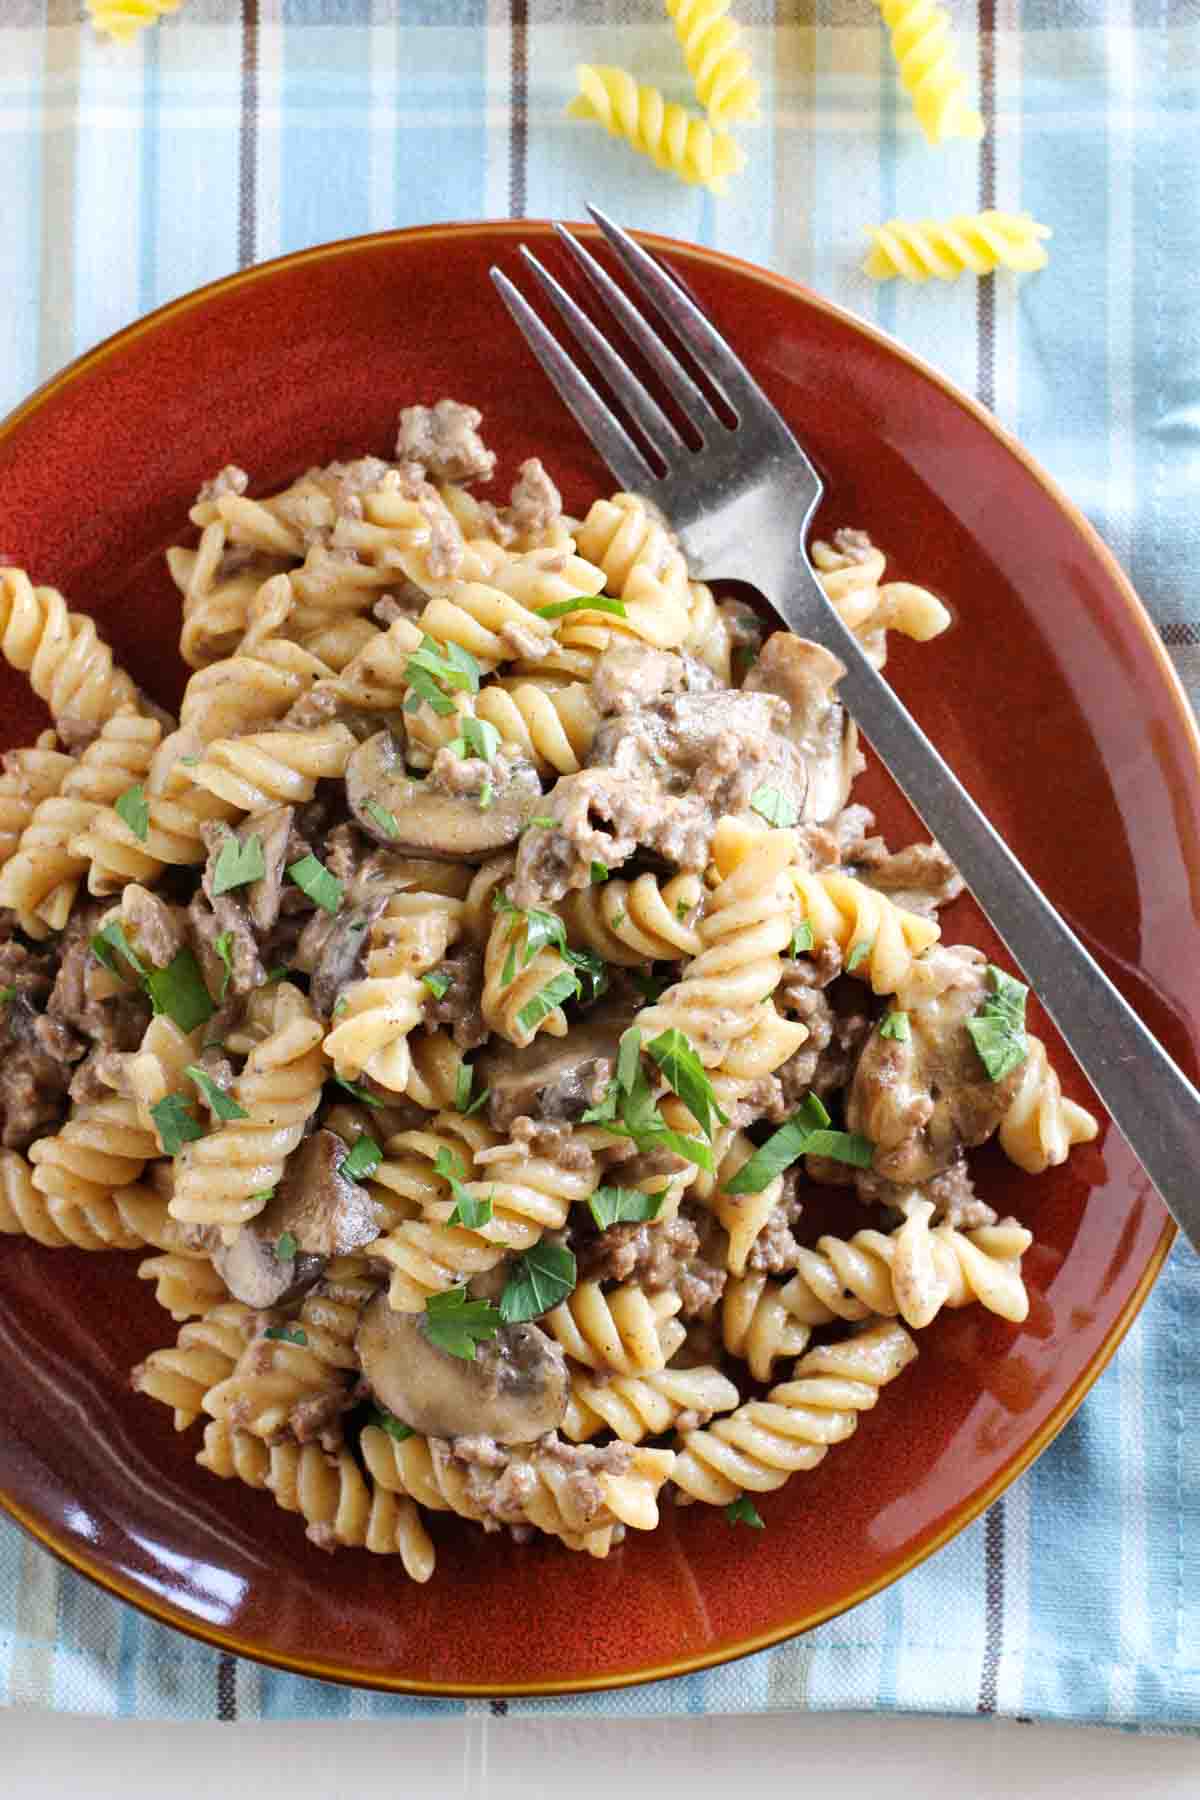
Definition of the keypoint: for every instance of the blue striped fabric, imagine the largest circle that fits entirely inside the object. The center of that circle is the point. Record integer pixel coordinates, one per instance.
(234, 132)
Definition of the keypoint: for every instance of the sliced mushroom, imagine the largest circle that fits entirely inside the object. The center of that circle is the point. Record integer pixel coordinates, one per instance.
(322, 1211)
(514, 1390)
(434, 822)
(806, 676)
(333, 947)
(556, 1078)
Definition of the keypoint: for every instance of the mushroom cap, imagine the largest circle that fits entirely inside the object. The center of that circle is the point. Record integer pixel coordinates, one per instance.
(430, 820)
(515, 1389)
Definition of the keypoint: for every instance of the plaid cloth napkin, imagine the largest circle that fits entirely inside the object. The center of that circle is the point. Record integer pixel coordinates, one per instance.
(232, 133)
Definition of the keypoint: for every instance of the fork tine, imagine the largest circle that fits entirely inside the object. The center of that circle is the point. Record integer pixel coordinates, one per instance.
(656, 427)
(666, 366)
(686, 320)
(606, 433)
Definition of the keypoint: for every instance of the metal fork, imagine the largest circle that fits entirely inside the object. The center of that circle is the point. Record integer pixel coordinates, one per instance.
(741, 506)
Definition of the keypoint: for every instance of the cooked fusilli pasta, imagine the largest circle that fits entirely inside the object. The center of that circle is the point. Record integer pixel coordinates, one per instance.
(121, 20)
(920, 36)
(68, 663)
(717, 62)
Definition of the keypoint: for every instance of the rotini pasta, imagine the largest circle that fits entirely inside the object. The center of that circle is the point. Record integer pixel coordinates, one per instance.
(669, 135)
(969, 243)
(920, 37)
(878, 939)
(68, 663)
(717, 63)
(1041, 1124)
(122, 20)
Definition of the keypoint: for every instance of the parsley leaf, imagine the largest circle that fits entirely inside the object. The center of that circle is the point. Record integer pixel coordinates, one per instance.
(386, 1421)
(463, 1102)
(629, 1050)
(287, 1334)
(559, 988)
(802, 938)
(895, 1025)
(133, 809)
(175, 1124)
(313, 878)
(487, 795)
(805, 1134)
(362, 1161)
(628, 1109)
(179, 991)
(223, 945)
(7, 994)
(559, 609)
(621, 1206)
(684, 1074)
(286, 1248)
(360, 1093)
(998, 1028)
(433, 668)
(219, 1102)
(470, 1212)
(111, 940)
(599, 873)
(239, 863)
(743, 1511)
(437, 983)
(540, 1279)
(385, 820)
(773, 806)
(455, 1324)
(592, 969)
(479, 738)
(860, 952)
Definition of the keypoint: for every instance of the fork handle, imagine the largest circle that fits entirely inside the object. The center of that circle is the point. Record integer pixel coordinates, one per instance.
(1150, 1100)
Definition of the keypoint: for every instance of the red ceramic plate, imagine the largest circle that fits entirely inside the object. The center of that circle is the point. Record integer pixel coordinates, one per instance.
(1051, 696)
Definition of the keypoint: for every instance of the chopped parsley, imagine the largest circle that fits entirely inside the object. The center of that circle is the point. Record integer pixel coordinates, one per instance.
(743, 1511)
(623, 1206)
(385, 820)
(133, 809)
(463, 1082)
(223, 945)
(559, 609)
(175, 1124)
(362, 1161)
(860, 952)
(360, 1093)
(487, 795)
(471, 1213)
(287, 1334)
(179, 991)
(802, 938)
(455, 1324)
(806, 1133)
(219, 1102)
(432, 669)
(110, 942)
(895, 1025)
(773, 806)
(479, 738)
(599, 873)
(628, 1109)
(313, 878)
(542, 821)
(286, 1248)
(684, 1074)
(387, 1421)
(7, 994)
(239, 863)
(682, 909)
(564, 986)
(437, 983)
(998, 1028)
(540, 1279)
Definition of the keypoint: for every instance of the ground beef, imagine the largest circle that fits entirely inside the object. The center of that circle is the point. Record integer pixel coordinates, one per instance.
(501, 1482)
(775, 1249)
(226, 919)
(601, 816)
(80, 999)
(159, 930)
(445, 440)
(952, 1193)
(536, 504)
(654, 1256)
(36, 1052)
(461, 1006)
(526, 639)
(556, 1144)
(628, 677)
(826, 1061)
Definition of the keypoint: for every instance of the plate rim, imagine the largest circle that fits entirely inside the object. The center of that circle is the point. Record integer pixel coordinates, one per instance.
(66, 1550)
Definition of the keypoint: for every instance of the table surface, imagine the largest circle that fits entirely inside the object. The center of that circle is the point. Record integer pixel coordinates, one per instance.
(485, 1758)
